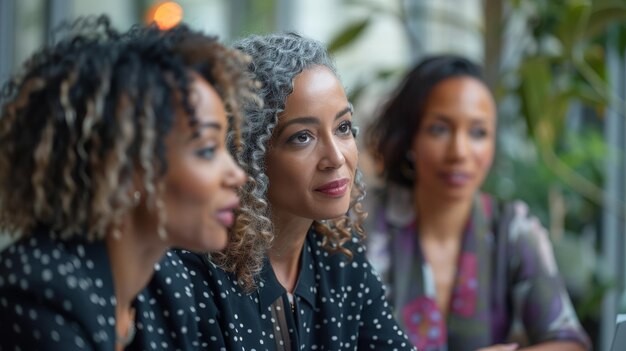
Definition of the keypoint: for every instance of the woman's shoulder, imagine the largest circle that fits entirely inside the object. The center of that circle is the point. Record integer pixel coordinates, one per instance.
(171, 279)
(39, 264)
(526, 238)
(167, 308)
(517, 219)
(209, 280)
(185, 274)
(59, 291)
(337, 267)
(201, 268)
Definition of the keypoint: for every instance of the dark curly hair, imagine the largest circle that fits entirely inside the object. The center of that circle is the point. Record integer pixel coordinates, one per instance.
(391, 134)
(276, 60)
(93, 110)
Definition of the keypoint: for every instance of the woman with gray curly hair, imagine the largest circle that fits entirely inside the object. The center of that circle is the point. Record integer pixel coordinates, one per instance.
(306, 284)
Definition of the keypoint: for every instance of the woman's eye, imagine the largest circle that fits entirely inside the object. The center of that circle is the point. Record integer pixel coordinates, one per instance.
(437, 129)
(207, 152)
(478, 133)
(345, 128)
(300, 138)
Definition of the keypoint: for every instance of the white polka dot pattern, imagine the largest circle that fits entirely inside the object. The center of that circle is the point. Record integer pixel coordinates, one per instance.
(52, 299)
(339, 305)
(166, 310)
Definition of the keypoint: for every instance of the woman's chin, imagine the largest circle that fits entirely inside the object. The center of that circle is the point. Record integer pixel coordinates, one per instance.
(459, 194)
(213, 241)
(217, 242)
(330, 215)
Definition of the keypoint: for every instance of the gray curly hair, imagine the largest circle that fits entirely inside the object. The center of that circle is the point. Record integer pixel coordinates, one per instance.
(276, 60)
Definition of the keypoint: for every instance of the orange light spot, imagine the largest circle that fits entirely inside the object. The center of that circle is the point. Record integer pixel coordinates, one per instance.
(165, 14)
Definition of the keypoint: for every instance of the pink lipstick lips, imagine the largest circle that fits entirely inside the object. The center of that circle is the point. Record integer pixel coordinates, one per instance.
(226, 215)
(336, 188)
(456, 178)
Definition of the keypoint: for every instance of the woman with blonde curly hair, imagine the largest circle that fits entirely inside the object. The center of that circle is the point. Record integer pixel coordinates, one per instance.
(294, 274)
(112, 149)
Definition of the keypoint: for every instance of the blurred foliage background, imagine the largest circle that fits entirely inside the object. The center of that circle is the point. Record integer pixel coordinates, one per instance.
(554, 92)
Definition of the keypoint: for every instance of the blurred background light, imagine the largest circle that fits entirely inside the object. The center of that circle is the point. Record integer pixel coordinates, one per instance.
(165, 14)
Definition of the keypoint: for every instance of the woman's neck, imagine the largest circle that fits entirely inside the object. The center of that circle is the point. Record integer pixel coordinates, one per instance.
(441, 219)
(132, 256)
(289, 236)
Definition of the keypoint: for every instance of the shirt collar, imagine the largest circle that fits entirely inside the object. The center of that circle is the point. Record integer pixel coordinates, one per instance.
(270, 288)
(306, 288)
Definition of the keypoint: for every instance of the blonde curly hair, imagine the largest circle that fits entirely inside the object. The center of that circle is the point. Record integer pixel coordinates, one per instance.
(91, 111)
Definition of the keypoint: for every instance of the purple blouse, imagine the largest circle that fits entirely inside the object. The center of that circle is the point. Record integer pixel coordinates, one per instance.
(506, 270)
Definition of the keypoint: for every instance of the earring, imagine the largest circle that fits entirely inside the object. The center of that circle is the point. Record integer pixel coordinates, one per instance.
(117, 233)
(162, 233)
(136, 198)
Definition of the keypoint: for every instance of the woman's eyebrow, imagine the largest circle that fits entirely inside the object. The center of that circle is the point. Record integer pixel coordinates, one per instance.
(343, 112)
(297, 120)
(198, 131)
(309, 120)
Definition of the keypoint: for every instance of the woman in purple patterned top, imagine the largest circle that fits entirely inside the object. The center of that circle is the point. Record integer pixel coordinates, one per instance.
(460, 266)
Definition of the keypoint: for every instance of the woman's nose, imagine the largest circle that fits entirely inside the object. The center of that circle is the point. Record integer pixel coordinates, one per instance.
(332, 156)
(459, 146)
(235, 176)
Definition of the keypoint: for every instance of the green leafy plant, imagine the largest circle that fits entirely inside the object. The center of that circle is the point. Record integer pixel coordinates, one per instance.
(559, 170)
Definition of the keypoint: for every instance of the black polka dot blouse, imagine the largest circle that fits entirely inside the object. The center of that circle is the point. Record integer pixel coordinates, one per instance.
(338, 304)
(165, 311)
(56, 295)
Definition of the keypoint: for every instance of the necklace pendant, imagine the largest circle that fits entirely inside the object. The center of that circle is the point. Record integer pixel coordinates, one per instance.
(292, 302)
